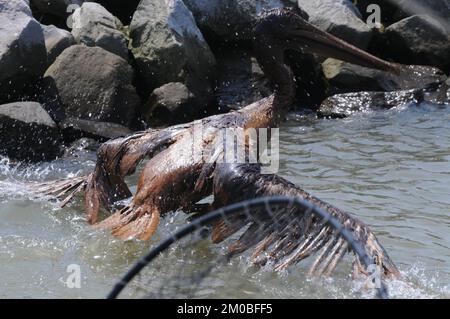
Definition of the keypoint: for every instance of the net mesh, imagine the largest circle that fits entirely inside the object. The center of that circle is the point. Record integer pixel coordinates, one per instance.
(279, 232)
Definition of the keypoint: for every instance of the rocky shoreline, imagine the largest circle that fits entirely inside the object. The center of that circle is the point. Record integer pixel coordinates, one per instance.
(72, 69)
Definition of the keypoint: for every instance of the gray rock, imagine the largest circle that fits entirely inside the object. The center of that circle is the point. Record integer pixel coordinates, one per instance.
(439, 7)
(27, 132)
(172, 103)
(346, 77)
(438, 10)
(56, 41)
(344, 105)
(167, 43)
(57, 8)
(169, 47)
(340, 18)
(93, 84)
(231, 19)
(101, 131)
(419, 40)
(22, 49)
(240, 80)
(93, 25)
(393, 11)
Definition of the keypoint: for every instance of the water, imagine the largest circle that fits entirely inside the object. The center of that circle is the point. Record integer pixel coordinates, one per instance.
(390, 168)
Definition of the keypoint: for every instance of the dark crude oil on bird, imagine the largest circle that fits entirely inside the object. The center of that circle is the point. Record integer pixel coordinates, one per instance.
(174, 178)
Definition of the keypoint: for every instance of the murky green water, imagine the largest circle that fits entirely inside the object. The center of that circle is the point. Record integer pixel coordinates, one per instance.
(391, 169)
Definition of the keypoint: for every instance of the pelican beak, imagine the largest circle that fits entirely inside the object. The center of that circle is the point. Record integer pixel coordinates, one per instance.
(310, 39)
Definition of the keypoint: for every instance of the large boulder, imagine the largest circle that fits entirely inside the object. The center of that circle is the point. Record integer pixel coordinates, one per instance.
(93, 84)
(28, 132)
(393, 11)
(74, 128)
(231, 19)
(340, 18)
(56, 41)
(93, 25)
(171, 103)
(344, 105)
(419, 40)
(169, 47)
(411, 84)
(22, 49)
(346, 77)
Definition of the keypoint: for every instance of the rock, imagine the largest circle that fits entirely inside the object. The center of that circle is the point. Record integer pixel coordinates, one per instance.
(419, 40)
(93, 25)
(438, 7)
(344, 105)
(56, 41)
(59, 8)
(74, 128)
(232, 19)
(28, 132)
(340, 18)
(93, 84)
(172, 103)
(240, 80)
(22, 50)
(346, 77)
(169, 47)
(437, 10)
(393, 11)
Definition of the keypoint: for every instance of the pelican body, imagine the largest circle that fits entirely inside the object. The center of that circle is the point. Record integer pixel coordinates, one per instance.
(174, 177)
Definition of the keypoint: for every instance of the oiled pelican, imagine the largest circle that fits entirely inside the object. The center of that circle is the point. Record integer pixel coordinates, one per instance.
(173, 178)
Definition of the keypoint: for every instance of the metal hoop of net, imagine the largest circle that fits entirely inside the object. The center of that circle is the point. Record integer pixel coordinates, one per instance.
(194, 258)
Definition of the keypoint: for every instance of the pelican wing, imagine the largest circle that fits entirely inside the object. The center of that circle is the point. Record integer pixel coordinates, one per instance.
(284, 235)
(116, 159)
